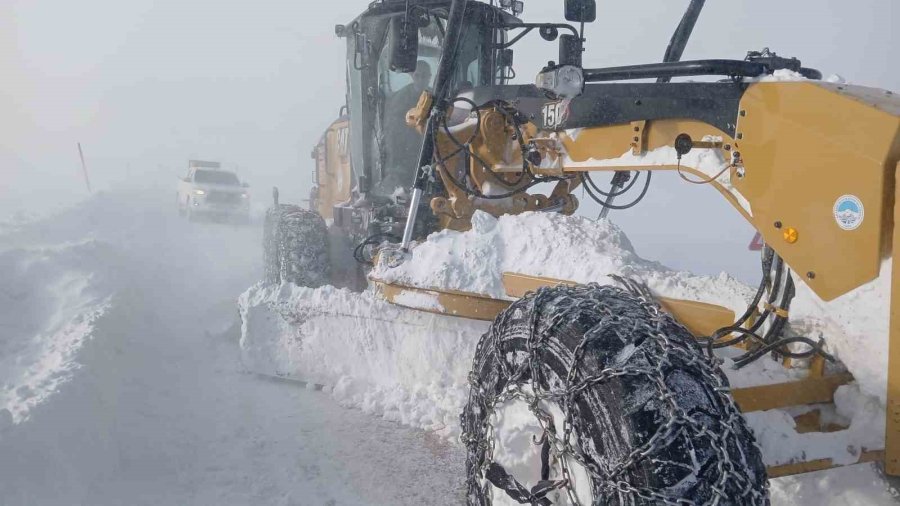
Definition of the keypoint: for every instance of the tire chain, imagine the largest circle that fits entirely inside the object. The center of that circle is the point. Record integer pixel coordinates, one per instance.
(479, 439)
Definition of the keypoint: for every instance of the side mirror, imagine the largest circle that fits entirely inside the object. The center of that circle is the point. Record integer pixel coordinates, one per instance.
(570, 49)
(505, 59)
(404, 44)
(581, 11)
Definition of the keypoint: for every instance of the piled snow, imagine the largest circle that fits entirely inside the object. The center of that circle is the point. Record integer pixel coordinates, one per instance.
(412, 366)
(407, 365)
(547, 244)
(50, 299)
(782, 444)
(855, 326)
(780, 75)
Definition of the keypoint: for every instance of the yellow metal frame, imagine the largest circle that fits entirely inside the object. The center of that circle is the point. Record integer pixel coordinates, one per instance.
(701, 318)
(446, 302)
(892, 430)
(811, 466)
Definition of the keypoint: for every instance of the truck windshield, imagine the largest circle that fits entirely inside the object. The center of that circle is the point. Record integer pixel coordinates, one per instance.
(216, 177)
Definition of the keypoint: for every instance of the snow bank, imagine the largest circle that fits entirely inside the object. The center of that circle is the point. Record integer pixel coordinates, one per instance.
(863, 416)
(548, 244)
(855, 326)
(406, 365)
(49, 303)
(412, 366)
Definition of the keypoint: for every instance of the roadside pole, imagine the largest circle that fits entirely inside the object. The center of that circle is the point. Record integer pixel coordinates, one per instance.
(87, 181)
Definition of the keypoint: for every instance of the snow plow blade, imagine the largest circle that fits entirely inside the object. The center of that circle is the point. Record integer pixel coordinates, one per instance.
(701, 318)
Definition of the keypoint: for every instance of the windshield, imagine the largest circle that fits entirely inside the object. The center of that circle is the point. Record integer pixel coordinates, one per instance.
(216, 177)
(394, 146)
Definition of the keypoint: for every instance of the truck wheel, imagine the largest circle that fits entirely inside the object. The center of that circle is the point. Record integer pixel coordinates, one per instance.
(592, 395)
(295, 246)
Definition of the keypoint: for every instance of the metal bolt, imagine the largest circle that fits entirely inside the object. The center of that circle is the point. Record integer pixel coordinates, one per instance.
(811, 275)
(743, 112)
(637, 102)
(740, 135)
(740, 172)
(637, 129)
(777, 224)
(728, 147)
(636, 139)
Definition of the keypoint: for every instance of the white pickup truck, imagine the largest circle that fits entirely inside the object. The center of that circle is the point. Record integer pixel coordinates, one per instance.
(209, 191)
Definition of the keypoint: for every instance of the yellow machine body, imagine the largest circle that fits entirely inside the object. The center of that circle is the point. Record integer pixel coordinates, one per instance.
(333, 175)
(799, 148)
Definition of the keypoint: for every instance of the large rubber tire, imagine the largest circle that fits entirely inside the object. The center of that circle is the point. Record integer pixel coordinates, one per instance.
(649, 379)
(295, 246)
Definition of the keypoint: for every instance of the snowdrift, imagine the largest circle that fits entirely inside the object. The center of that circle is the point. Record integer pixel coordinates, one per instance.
(412, 366)
(50, 299)
(407, 365)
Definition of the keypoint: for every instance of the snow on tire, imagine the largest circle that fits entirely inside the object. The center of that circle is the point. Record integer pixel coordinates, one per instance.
(295, 246)
(627, 409)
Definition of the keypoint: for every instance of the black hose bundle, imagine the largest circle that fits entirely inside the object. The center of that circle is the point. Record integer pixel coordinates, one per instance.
(510, 115)
(781, 293)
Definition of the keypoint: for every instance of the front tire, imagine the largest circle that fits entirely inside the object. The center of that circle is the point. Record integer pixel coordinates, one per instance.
(295, 246)
(641, 410)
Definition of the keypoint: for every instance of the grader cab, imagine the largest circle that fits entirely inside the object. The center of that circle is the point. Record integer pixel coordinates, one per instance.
(625, 384)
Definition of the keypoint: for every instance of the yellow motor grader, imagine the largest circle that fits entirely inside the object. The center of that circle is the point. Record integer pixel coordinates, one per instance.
(633, 406)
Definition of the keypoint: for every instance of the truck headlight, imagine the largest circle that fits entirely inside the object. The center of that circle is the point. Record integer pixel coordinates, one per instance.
(566, 81)
(199, 192)
(245, 196)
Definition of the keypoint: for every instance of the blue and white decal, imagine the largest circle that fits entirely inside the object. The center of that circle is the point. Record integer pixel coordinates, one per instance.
(849, 212)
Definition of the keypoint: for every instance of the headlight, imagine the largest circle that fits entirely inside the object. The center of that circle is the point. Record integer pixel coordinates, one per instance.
(245, 196)
(566, 81)
(199, 192)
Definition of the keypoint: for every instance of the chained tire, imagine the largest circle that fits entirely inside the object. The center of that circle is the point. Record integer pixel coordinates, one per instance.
(295, 246)
(645, 415)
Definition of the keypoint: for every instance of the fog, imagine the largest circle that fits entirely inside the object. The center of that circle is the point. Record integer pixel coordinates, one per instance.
(145, 85)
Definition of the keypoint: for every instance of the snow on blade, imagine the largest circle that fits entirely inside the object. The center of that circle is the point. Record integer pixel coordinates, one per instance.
(406, 365)
(546, 244)
(411, 366)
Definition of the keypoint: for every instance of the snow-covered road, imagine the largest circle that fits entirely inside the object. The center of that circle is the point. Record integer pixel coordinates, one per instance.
(158, 410)
(120, 382)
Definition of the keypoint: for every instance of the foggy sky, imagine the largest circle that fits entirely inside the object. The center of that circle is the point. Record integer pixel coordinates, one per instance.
(145, 85)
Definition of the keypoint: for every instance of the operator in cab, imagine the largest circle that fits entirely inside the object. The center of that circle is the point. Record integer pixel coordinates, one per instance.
(403, 142)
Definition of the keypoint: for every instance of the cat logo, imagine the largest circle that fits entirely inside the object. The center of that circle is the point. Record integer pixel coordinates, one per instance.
(343, 134)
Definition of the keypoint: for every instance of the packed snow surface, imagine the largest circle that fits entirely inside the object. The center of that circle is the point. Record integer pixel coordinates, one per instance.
(50, 298)
(120, 379)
